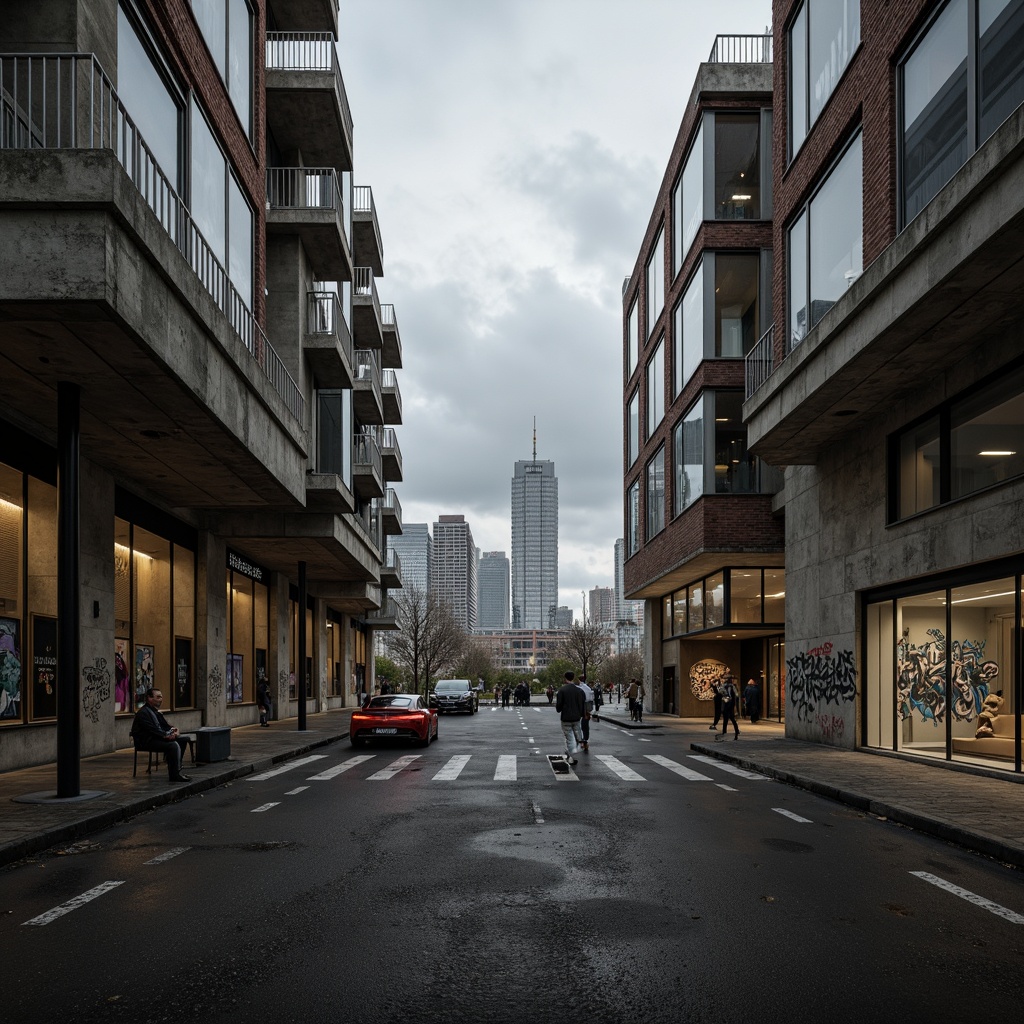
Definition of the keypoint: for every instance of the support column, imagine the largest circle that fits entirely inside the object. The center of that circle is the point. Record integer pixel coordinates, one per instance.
(302, 647)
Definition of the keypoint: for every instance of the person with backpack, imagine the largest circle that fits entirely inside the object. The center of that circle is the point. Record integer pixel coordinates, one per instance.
(730, 697)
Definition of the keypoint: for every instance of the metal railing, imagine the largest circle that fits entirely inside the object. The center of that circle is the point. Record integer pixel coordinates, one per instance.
(393, 562)
(367, 371)
(390, 502)
(731, 49)
(366, 453)
(309, 51)
(66, 101)
(304, 188)
(362, 202)
(387, 438)
(389, 383)
(324, 315)
(760, 361)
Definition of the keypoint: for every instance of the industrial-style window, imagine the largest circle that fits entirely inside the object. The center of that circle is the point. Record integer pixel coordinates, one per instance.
(962, 78)
(656, 494)
(656, 282)
(656, 387)
(227, 29)
(633, 519)
(632, 335)
(633, 429)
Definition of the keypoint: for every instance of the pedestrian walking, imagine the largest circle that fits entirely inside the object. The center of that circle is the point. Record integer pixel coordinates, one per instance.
(635, 694)
(718, 707)
(569, 703)
(551, 693)
(729, 698)
(263, 700)
(752, 700)
(598, 700)
(588, 710)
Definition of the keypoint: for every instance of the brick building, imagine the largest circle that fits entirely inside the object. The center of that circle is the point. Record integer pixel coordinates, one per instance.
(891, 384)
(704, 542)
(193, 346)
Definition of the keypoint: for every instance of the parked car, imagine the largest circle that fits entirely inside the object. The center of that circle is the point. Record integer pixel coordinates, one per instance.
(398, 716)
(455, 695)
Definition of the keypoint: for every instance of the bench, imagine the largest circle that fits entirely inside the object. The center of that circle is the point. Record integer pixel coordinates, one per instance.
(1000, 744)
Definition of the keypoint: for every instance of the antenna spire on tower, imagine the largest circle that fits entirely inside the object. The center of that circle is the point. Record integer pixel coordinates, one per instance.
(534, 438)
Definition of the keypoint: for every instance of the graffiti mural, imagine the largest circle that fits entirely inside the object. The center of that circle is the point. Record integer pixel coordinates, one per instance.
(95, 688)
(704, 677)
(215, 684)
(818, 676)
(921, 677)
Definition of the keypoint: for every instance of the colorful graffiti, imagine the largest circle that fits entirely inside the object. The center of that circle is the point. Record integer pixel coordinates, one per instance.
(819, 676)
(921, 677)
(704, 677)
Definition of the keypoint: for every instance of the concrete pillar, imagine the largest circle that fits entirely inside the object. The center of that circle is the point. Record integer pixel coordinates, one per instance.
(279, 654)
(211, 641)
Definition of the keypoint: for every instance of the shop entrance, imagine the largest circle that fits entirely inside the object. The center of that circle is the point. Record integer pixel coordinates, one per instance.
(668, 690)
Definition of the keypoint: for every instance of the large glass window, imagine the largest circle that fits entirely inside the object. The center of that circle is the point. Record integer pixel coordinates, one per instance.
(248, 636)
(656, 388)
(735, 466)
(745, 595)
(827, 240)
(737, 166)
(689, 205)
(688, 457)
(334, 432)
(736, 286)
(1000, 62)
(822, 40)
(775, 595)
(633, 519)
(689, 330)
(656, 282)
(714, 601)
(632, 339)
(656, 494)
(12, 612)
(227, 29)
(633, 429)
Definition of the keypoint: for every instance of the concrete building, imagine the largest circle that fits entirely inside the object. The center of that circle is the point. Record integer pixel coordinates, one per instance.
(493, 582)
(413, 550)
(562, 617)
(453, 568)
(523, 651)
(190, 329)
(704, 541)
(891, 381)
(534, 543)
(625, 611)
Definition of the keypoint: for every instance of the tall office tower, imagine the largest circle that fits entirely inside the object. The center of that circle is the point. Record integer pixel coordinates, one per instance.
(561, 617)
(413, 547)
(602, 605)
(493, 580)
(534, 543)
(625, 611)
(453, 567)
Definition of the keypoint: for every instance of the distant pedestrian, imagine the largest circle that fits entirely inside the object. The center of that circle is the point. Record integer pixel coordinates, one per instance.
(718, 707)
(497, 695)
(730, 696)
(635, 694)
(263, 700)
(506, 692)
(551, 693)
(598, 701)
(752, 700)
(588, 709)
(569, 703)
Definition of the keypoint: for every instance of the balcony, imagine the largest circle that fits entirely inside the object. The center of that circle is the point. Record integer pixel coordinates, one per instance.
(392, 354)
(391, 397)
(367, 475)
(385, 617)
(306, 201)
(391, 454)
(389, 511)
(733, 49)
(366, 394)
(307, 15)
(367, 247)
(367, 328)
(328, 492)
(307, 108)
(327, 341)
(391, 570)
(760, 361)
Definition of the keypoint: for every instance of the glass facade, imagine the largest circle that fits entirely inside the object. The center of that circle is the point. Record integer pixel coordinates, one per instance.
(656, 387)
(632, 339)
(736, 287)
(729, 597)
(226, 26)
(688, 202)
(633, 429)
(688, 328)
(737, 166)
(656, 494)
(633, 519)
(688, 457)
(656, 282)
(248, 632)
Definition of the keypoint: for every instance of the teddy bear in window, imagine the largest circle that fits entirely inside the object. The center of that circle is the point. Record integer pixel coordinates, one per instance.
(990, 708)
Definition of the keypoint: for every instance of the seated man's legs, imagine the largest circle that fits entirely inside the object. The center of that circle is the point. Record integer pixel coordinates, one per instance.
(172, 750)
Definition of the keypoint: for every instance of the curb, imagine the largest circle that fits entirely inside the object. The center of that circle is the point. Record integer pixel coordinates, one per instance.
(979, 842)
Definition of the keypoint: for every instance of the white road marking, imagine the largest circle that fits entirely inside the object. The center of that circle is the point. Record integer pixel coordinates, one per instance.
(679, 769)
(728, 789)
(452, 768)
(78, 901)
(393, 769)
(790, 814)
(168, 854)
(731, 768)
(286, 768)
(979, 901)
(530, 739)
(330, 773)
(622, 770)
(506, 770)
(297, 791)
(264, 807)
(536, 814)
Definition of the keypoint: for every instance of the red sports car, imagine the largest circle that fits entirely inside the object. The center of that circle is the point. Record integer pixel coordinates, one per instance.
(394, 716)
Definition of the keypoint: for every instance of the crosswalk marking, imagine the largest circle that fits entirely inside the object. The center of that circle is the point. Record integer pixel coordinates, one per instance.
(329, 773)
(965, 894)
(679, 769)
(506, 770)
(286, 767)
(78, 901)
(393, 769)
(726, 767)
(790, 814)
(452, 768)
(168, 854)
(265, 807)
(622, 770)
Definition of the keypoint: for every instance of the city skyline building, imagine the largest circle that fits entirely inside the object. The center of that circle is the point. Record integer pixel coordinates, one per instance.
(413, 547)
(534, 542)
(454, 567)
(602, 605)
(625, 611)
(493, 584)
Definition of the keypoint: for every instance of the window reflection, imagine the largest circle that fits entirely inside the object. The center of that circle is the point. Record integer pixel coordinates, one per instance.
(693, 192)
(714, 600)
(656, 493)
(745, 595)
(736, 286)
(735, 466)
(688, 457)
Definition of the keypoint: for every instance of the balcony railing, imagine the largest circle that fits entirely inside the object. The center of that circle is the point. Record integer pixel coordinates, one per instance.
(389, 383)
(760, 361)
(324, 315)
(66, 101)
(309, 51)
(393, 562)
(362, 202)
(366, 368)
(364, 286)
(303, 188)
(390, 502)
(742, 49)
(365, 452)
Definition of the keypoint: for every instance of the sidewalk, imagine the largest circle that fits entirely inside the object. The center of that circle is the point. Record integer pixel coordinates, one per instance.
(980, 811)
(27, 828)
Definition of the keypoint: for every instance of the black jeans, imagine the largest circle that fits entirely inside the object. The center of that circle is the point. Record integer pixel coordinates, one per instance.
(729, 715)
(175, 752)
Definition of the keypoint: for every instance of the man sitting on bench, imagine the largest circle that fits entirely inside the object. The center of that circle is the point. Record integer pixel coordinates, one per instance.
(151, 731)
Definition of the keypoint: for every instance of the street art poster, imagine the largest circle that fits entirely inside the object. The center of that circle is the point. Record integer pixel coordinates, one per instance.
(234, 678)
(10, 669)
(819, 676)
(144, 672)
(183, 672)
(122, 677)
(44, 666)
(705, 675)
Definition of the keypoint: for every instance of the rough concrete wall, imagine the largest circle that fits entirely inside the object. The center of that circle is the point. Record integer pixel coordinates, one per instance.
(211, 641)
(279, 654)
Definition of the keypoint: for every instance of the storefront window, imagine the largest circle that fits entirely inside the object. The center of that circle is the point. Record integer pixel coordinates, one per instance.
(921, 673)
(41, 579)
(12, 630)
(248, 629)
(335, 656)
(775, 595)
(745, 595)
(679, 605)
(714, 601)
(184, 627)
(667, 628)
(696, 611)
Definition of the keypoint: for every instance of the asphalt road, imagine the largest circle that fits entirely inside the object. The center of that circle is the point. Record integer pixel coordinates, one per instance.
(471, 882)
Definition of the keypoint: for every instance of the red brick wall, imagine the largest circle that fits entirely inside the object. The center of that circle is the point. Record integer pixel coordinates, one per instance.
(184, 47)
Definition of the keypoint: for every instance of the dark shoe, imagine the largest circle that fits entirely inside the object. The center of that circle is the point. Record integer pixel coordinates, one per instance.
(712, 728)
(585, 745)
(181, 778)
(571, 760)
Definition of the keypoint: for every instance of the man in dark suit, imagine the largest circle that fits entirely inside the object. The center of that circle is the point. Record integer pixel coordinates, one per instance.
(570, 704)
(151, 731)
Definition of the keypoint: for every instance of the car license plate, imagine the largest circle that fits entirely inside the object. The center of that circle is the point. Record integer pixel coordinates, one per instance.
(386, 732)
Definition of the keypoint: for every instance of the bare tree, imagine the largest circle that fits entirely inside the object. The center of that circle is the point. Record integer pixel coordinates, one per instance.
(586, 644)
(429, 639)
(620, 668)
(476, 662)
(444, 642)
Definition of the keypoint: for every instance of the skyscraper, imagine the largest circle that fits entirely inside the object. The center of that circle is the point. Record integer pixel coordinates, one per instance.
(602, 605)
(453, 568)
(493, 578)
(413, 548)
(534, 543)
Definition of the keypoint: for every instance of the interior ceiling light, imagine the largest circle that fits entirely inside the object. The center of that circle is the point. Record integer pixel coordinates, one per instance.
(997, 453)
(738, 198)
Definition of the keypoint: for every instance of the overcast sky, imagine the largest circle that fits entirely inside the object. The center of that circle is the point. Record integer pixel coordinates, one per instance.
(515, 149)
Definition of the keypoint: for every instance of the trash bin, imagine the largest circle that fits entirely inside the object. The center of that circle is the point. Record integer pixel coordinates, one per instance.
(213, 743)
